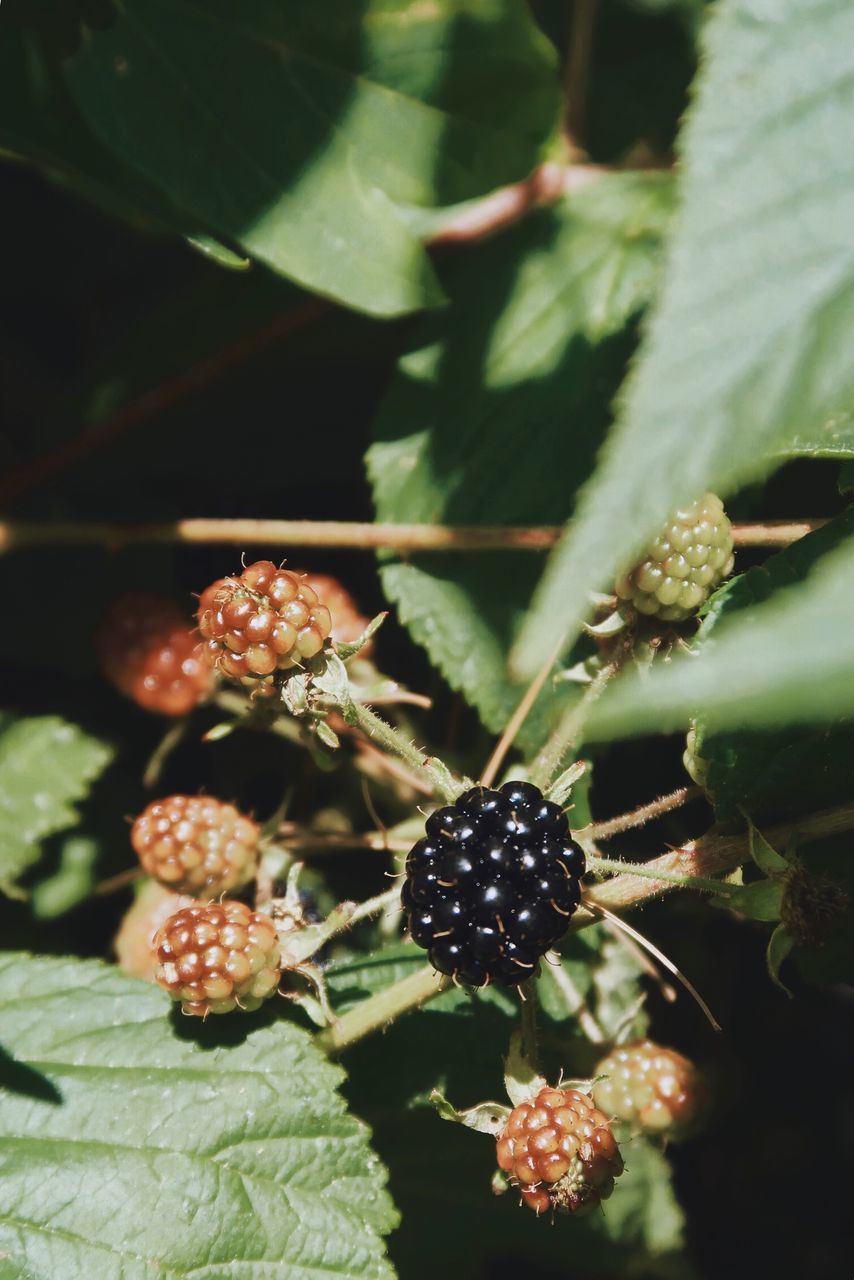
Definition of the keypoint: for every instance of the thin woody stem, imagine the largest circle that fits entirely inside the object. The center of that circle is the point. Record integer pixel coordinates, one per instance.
(381, 1009)
(518, 718)
(570, 728)
(338, 533)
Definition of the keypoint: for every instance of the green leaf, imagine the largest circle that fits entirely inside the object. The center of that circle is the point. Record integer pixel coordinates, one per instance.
(495, 416)
(644, 1206)
(784, 660)
(46, 766)
(743, 362)
(362, 120)
(133, 1151)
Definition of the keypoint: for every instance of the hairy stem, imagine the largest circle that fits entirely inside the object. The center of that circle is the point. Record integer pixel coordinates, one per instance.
(642, 815)
(441, 779)
(568, 733)
(381, 1009)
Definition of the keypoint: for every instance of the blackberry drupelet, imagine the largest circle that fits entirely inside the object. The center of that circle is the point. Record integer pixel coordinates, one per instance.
(493, 884)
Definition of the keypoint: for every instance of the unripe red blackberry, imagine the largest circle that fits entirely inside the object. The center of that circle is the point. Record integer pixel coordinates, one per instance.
(493, 885)
(196, 844)
(149, 652)
(348, 623)
(263, 619)
(652, 1087)
(683, 565)
(218, 956)
(560, 1151)
(134, 941)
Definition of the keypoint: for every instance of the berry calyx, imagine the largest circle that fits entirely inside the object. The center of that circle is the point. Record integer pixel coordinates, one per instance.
(262, 620)
(196, 845)
(348, 622)
(148, 651)
(560, 1152)
(683, 565)
(218, 956)
(654, 1088)
(493, 884)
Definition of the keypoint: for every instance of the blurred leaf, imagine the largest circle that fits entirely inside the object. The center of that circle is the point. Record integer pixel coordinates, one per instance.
(46, 765)
(362, 118)
(110, 1115)
(766, 858)
(71, 882)
(780, 945)
(496, 414)
(744, 359)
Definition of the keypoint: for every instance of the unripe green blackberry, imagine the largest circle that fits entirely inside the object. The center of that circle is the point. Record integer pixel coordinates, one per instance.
(695, 766)
(150, 653)
(560, 1151)
(196, 844)
(218, 956)
(262, 620)
(651, 1087)
(683, 565)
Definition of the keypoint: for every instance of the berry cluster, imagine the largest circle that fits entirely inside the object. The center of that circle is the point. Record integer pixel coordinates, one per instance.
(217, 957)
(651, 1087)
(265, 618)
(493, 884)
(149, 653)
(196, 844)
(560, 1151)
(683, 565)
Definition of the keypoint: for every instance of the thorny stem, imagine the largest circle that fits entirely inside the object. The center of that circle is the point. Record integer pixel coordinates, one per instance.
(339, 533)
(442, 781)
(709, 856)
(379, 1010)
(608, 866)
(642, 815)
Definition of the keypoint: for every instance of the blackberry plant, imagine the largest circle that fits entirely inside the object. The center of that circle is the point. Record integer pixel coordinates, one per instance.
(525, 327)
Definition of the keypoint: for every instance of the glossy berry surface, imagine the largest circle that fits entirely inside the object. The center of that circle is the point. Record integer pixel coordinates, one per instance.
(560, 1152)
(493, 884)
(196, 844)
(262, 620)
(651, 1087)
(218, 956)
(348, 622)
(148, 651)
(683, 565)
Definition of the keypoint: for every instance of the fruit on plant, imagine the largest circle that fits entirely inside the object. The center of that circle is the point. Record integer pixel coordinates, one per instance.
(560, 1152)
(263, 619)
(196, 844)
(651, 1087)
(683, 565)
(348, 623)
(696, 766)
(493, 884)
(148, 651)
(133, 943)
(218, 956)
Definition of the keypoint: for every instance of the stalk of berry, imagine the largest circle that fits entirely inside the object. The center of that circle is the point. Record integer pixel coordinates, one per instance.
(147, 651)
(218, 956)
(558, 1149)
(493, 884)
(196, 844)
(683, 565)
(264, 619)
(651, 1087)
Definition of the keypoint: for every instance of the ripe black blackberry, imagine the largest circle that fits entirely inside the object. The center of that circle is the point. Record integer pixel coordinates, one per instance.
(493, 884)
